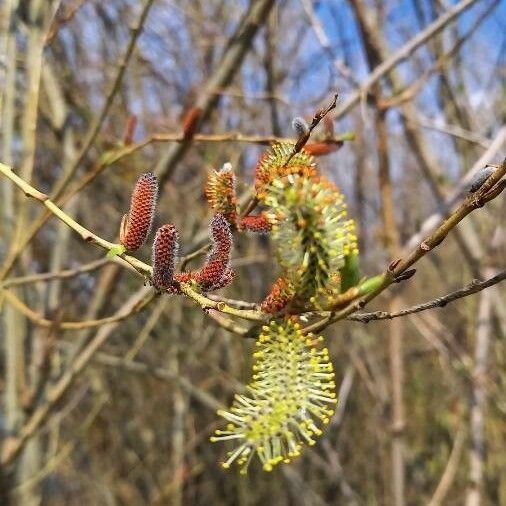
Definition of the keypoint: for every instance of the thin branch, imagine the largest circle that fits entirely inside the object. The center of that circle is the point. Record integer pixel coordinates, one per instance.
(96, 126)
(474, 287)
(451, 468)
(324, 41)
(461, 188)
(492, 187)
(141, 267)
(454, 131)
(227, 323)
(40, 321)
(49, 276)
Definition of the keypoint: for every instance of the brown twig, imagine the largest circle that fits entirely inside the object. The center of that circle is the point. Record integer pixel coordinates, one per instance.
(319, 115)
(492, 187)
(474, 287)
(49, 276)
(40, 321)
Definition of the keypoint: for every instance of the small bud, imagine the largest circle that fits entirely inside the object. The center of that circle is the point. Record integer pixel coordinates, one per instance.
(190, 122)
(322, 148)
(480, 177)
(135, 228)
(165, 249)
(300, 126)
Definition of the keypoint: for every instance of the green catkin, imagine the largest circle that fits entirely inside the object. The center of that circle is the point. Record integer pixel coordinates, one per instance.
(311, 232)
(291, 394)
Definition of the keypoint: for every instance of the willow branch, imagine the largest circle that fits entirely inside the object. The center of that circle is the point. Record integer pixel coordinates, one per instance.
(49, 276)
(141, 267)
(492, 187)
(40, 321)
(474, 287)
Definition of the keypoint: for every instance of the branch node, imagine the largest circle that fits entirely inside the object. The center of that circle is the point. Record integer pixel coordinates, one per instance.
(393, 264)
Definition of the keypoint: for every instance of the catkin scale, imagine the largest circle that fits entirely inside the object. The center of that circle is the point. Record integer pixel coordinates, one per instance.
(135, 228)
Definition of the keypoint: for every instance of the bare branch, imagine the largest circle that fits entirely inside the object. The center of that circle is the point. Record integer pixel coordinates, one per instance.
(474, 287)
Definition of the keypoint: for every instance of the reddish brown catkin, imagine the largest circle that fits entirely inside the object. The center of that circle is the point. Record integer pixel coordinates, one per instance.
(259, 224)
(281, 294)
(216, 270)
(165, 249)
(135, 228)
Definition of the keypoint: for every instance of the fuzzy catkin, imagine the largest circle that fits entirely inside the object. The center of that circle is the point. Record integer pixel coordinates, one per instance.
(165, 249)
(217, 263)
(300, 126)
(135, 228)
(220, 192)
(290, 397)
(259, 224)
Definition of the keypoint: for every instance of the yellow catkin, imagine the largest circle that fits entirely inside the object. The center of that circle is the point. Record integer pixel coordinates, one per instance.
(290, 397)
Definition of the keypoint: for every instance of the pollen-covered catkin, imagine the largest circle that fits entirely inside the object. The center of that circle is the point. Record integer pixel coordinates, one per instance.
(165, 249)
(220, 192)
(136, 226)
(291, 394)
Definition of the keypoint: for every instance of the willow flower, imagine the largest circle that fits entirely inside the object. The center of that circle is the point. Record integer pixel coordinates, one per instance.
(290, 397)
(136, 226)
